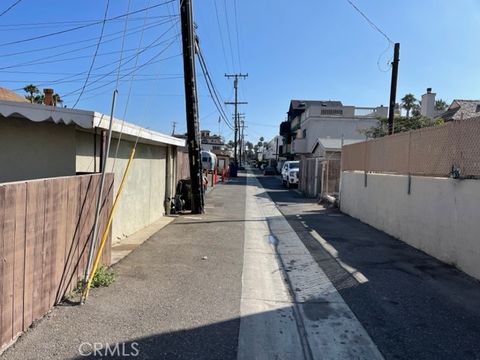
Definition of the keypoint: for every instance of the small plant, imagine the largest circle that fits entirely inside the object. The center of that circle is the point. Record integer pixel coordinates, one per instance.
(103, 277)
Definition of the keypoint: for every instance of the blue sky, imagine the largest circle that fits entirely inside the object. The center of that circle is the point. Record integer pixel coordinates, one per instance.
(309, 49)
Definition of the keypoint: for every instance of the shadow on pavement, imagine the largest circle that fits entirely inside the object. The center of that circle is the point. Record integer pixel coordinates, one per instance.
(412, 305)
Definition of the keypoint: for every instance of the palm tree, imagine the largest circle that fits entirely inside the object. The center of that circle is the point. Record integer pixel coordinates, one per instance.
(440, 105)
(32, 92)
(408, 103)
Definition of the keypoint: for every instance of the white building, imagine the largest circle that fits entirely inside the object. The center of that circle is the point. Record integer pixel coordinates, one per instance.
(310, 121)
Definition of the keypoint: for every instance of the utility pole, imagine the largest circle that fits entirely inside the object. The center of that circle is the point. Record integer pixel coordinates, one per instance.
(174, 123)
(242, 127)
(191, 105)
(236, 103)
(393, 88)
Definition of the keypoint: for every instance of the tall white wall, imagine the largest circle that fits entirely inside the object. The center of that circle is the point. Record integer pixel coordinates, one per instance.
(440, 216)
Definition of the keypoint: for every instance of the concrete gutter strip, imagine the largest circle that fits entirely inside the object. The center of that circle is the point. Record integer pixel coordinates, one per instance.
(303, 315)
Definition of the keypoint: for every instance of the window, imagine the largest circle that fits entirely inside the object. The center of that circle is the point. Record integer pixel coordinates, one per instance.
(332, 112)
(304, 133)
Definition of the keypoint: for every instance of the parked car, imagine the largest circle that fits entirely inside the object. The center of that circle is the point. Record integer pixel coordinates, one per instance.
(290, 173)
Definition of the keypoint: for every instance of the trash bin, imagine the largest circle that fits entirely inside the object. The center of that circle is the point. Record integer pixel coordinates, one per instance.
(233, 170)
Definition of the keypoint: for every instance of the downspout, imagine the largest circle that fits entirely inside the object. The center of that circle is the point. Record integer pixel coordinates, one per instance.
(103, 145)
(95, 150)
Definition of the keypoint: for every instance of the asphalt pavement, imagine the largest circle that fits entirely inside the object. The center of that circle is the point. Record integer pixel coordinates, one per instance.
(177, 296)
(412, 305)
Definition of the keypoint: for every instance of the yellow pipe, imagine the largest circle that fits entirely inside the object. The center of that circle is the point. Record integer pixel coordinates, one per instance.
(107, 229)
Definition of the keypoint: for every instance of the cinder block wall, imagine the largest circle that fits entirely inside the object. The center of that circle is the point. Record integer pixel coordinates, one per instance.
(440, 216)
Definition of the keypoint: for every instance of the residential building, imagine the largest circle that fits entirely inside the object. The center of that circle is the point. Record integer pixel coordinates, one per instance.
(39, 141)
(461, 109)
(310, 120)
(214, 143)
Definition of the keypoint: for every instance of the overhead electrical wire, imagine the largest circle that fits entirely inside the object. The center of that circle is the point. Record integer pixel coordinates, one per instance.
(380, 31)
(50, 24)
(149, 62)
(370, 22)
(104, 41)
(152, 44)
(80, 27)
(238, 37)
(221, 36)
(48, 59)
(10, 7)
(123, 42)
(95, 54)
(228, 33)
(111, 73)
(129, 91)
(102, 76)
(211, 87)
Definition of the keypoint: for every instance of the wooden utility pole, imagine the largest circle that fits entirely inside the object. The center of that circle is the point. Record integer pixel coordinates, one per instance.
(242, 150)
(393, 88)
(191, 105)
(236, 103)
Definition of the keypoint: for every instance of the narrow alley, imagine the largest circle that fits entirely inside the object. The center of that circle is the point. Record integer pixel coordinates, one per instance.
(266, 274)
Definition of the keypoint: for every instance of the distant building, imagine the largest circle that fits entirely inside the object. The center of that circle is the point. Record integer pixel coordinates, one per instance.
(214, 143)
(462, 109)
(310, 120)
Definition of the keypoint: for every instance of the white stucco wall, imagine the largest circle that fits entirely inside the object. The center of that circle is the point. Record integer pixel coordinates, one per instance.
(142, 199)
(31, 150)
(440, 216)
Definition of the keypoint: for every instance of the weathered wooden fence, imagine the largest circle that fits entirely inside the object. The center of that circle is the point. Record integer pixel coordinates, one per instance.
(183, 170)
(45, 231)
(318, 176)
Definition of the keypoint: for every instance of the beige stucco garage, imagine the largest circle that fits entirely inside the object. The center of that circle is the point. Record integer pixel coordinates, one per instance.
(39, 141)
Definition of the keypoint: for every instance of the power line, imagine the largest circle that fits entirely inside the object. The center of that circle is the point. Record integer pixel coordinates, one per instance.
(236, 31)
(134, 56)
(48, 59)
(93, 95)
(228, 33)
(49, 24)
(221, 36)
(211, 87)
(129, 90)
(372, 24)
(131, 32)
(10, 7)
(80, 27)
(94, 55)
(149, 62)
(123, 42)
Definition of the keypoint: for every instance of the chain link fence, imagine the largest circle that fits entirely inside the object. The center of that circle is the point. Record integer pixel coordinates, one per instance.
(448, 150)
